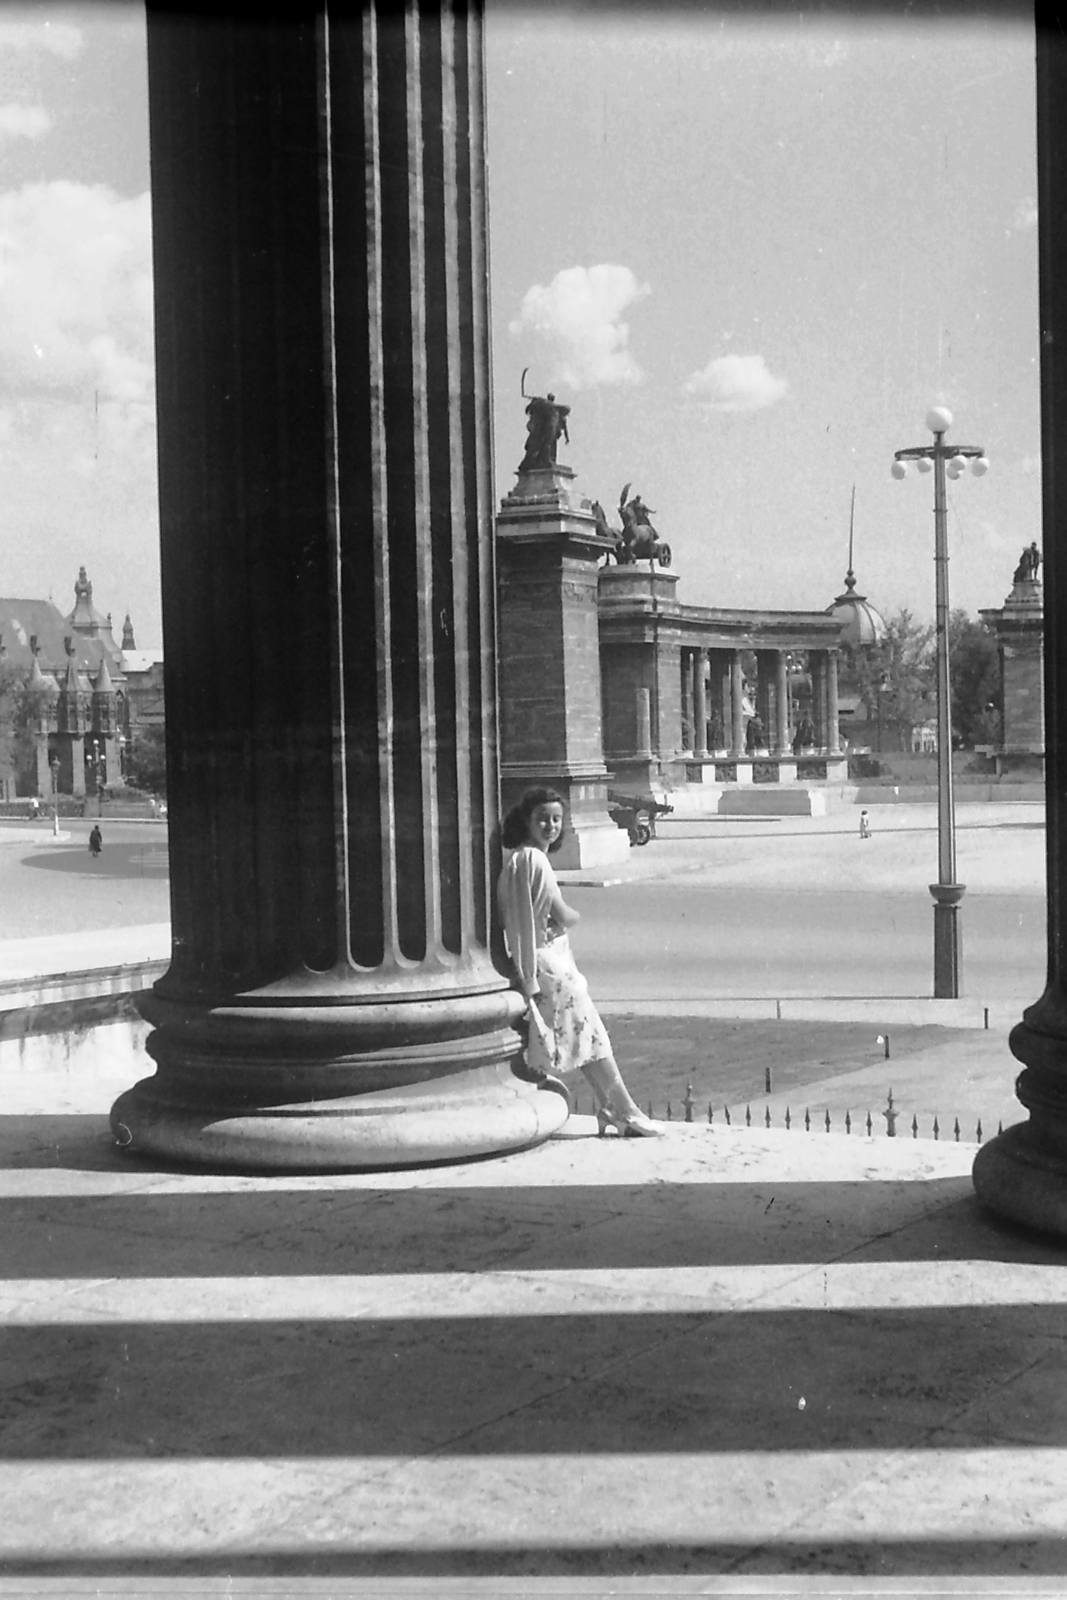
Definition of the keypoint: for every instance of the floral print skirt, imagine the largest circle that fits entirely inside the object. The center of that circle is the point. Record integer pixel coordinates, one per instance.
(565, 1003)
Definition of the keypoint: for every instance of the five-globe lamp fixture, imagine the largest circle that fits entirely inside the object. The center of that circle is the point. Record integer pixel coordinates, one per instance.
(944, 461)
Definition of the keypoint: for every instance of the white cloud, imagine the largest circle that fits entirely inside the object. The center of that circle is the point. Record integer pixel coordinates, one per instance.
(736, 383)
(1025, 214)
(23, 122)
(578, 319)
(76, 301)
(58, 38)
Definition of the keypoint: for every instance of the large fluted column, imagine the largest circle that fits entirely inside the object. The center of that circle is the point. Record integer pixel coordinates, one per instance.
(1022, 1173)
(326, 506)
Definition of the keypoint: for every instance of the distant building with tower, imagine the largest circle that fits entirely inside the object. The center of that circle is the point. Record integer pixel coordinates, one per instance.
(87, 694)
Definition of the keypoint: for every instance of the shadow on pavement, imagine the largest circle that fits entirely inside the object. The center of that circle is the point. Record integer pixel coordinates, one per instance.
(121, 861)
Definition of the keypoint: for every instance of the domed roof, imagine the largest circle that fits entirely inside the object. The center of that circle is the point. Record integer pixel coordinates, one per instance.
(861, 623)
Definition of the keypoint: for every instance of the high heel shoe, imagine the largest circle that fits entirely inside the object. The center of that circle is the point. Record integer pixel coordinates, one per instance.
(627, 1124)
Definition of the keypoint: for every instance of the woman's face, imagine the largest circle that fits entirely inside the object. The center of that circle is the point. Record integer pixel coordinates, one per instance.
(546, 824)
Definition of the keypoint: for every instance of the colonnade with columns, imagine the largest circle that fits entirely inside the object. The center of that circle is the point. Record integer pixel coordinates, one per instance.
(714, 717)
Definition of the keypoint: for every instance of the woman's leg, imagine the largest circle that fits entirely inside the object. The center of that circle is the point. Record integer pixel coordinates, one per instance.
(615, 1105)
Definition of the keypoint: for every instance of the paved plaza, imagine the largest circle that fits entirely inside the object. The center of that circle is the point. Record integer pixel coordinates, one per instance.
(732, 1360)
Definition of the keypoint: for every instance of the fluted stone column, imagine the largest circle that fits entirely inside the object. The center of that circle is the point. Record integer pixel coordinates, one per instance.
(721, 694)
(782, 746)
(817, 671)
(765, 694)
(319, 231)
(833, 721)
(1022, 1173)
(700, 706)
(737, 705)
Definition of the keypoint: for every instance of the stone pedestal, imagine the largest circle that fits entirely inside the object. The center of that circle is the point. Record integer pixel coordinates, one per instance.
(1022, 1173)
(548, 546)
(1019, 626)
(336, 996)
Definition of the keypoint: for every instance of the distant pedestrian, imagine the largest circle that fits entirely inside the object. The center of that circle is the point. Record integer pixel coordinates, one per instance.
(865, 825)
(96, 842)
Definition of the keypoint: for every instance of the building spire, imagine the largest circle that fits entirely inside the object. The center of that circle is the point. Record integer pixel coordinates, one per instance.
(850, 576)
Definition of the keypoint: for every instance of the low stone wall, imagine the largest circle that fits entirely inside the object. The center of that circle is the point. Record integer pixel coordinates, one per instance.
(74, 1024)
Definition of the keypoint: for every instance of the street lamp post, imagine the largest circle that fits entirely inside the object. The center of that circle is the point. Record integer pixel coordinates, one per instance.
(54, 768)
(946, 461)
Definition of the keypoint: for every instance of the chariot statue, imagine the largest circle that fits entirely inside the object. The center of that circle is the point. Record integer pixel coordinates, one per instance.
(638, 539)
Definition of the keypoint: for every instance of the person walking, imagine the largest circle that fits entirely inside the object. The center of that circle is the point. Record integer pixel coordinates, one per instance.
(566, 1032)
(96, 841)
(865, 825)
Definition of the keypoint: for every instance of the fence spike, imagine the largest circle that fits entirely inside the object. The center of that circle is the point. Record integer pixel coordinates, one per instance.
(978, 1132)
(767, 1117)
(828, 1119)
(937, 1129)
(726, 1114)
(956, 1130)
(711, 1114)
(807, 1120)
(788, 1118)
(848, 1121)
(748, 1116)
(670, 1113)
(870, 1125)
(915, 1127)
(688, 1102)
(1000, 1127)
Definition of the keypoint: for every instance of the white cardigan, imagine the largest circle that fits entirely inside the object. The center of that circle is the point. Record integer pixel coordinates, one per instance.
(525, 891)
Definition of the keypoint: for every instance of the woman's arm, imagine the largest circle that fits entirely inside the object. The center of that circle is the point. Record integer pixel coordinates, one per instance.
(517, 915)
(561, 912)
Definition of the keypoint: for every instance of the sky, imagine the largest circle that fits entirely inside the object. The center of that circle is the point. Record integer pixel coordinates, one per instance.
(749, 247)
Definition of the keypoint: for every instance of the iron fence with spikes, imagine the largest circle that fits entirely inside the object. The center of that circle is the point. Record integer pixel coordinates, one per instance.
(844, 1124)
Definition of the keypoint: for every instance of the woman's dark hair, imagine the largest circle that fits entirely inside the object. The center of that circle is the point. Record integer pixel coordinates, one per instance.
(515, 829)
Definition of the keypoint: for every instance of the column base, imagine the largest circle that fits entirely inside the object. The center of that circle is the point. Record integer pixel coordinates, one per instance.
(1022, 1173)
(299, 1075)
(485, 1112)
(1020, 1177)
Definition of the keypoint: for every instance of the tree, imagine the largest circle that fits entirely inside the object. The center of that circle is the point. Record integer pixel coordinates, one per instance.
(146, 758)
(896, 680)
(974, 674)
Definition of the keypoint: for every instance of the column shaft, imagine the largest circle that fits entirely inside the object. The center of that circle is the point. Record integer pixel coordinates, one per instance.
(833, 725)
(721, 716)
(325, 491)
(700, 706)
(782, 745)
(737, 705)
(817, 670)
(1023, 1172)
